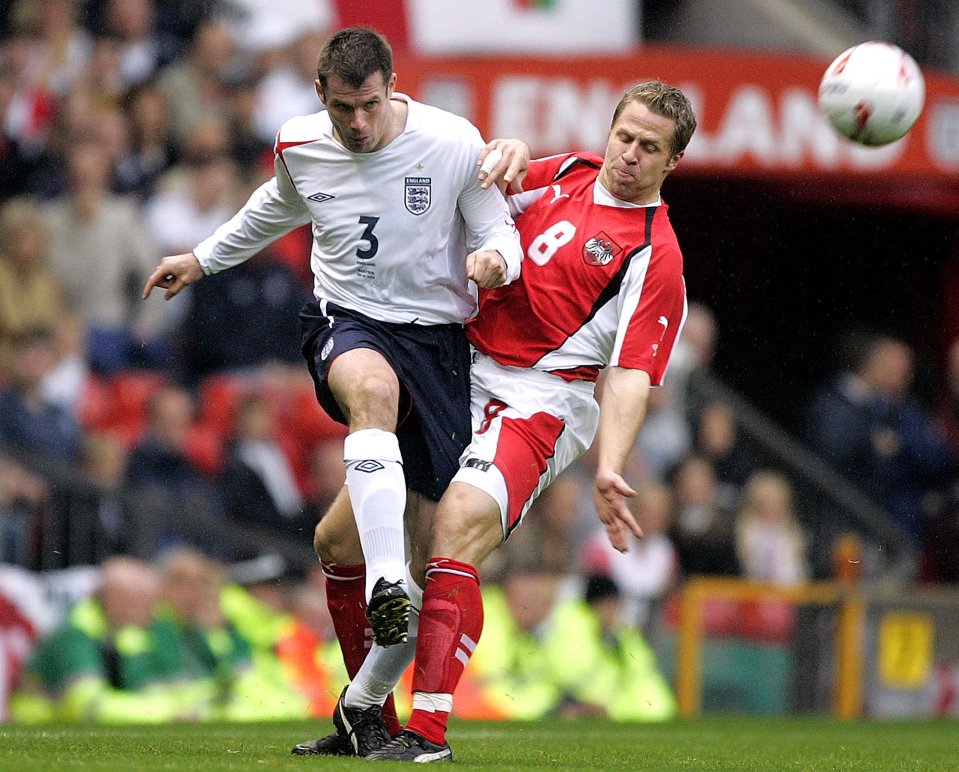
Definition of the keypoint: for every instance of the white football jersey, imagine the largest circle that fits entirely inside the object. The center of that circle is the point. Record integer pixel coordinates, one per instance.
(391, 229)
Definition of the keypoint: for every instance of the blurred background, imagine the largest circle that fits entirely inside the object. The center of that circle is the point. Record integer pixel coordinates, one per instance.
(162, 464)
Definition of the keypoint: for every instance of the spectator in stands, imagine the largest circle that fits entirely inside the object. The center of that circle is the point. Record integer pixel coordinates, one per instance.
(252, 154)
(113, 133)
(99, 85)
(665, 437)
(143, 48)
(257, 483)
(102, 664)
(198, 193)
(22, 494)
(43, 434)
(770, 543)
(262, 32)
(546, 540)
(875, 432)
(197, 84)
(308, 649)
(327, 476)
(516, 677)
(717, 438)
(197, 641)
(702, 529)
(16, 164)
(609, 669)
(30, 294)
(99, 251)
(171, 501)
(181, 18)
(67, 381)
(288, 89)
(948, 407)
(260, 297)
(644, 575)
(103, 467)
(941, 558)
(150, 152)
(60, 49)
(693, 357)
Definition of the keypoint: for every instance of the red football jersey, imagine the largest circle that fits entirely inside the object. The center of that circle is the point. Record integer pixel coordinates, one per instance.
(602, 280)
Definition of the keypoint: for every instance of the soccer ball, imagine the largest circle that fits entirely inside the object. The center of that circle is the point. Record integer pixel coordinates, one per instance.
(872, 93)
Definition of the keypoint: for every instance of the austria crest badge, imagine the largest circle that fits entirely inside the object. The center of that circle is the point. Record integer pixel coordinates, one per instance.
(600, 250)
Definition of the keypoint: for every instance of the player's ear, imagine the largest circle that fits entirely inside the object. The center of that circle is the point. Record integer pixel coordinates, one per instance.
(391, 85)
(319, 90)
(673, 162)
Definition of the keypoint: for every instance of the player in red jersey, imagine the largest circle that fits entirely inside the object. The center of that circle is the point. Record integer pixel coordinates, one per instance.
(602, 287)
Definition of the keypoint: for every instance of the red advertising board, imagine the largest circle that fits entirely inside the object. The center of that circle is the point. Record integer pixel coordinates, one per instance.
(757, 112)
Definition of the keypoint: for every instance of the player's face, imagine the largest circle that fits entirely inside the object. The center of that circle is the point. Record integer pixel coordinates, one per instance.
(638, 154)
(361, 116)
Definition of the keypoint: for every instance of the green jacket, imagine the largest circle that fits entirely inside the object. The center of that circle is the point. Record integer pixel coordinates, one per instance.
(617, 671)
(529, 675)
(85, 672)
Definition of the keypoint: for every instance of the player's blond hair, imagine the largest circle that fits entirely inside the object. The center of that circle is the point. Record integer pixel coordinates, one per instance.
(667, 101)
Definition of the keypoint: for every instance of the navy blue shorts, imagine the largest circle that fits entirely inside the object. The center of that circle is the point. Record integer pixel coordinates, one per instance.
(432, 364)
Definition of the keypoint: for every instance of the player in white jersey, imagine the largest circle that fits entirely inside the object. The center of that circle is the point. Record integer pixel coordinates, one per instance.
(602, 287)
(401, 226)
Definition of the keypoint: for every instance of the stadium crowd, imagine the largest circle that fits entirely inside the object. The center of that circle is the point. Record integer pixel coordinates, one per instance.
(162, 464)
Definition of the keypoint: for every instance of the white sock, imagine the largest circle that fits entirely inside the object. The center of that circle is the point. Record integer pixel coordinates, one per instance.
(383, 667)
(416, 603)
(381, 671)
(377, 488)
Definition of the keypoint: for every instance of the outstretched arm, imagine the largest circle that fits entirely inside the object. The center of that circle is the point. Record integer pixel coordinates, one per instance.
(622, 411)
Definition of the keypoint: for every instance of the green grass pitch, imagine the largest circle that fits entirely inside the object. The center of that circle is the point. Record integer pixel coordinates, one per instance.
(709, 743)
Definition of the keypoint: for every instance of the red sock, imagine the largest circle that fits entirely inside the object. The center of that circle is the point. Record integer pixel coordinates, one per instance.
(346, 600)
(450, 625)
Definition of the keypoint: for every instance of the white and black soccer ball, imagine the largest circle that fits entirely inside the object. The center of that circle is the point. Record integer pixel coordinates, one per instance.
(872, 93)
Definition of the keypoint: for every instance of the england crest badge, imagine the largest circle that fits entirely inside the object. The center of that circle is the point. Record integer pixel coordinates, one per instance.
(417, 194)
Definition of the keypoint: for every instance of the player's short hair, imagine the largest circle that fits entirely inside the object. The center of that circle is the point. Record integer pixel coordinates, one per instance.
(353, 54)
(667, 101)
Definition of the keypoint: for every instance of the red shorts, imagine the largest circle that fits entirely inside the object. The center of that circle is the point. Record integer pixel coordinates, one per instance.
(528, 426)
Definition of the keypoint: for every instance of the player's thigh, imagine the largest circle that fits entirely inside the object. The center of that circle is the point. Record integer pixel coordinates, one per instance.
(347, 354)
(366, 388)
(420, 519)
(335, 537)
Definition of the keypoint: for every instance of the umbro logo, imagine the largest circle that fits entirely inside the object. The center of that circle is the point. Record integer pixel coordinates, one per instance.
(320, 197)
(368, 465)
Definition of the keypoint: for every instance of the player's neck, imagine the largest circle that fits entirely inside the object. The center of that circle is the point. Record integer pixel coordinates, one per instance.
(399, 111)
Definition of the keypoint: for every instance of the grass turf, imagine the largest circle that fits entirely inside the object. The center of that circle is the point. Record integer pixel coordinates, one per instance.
(708, 743)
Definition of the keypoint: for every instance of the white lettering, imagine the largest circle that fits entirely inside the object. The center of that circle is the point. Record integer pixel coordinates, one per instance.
(554, 115)
(774, 130)
(516, 107)
(579, 117)
(943, 134)
(806, 132)
(747, 129)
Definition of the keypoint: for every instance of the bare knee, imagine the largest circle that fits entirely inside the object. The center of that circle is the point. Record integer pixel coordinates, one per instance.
(467, 526)
(335, 538)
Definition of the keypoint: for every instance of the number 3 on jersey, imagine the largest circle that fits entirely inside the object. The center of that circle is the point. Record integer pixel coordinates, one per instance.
(542, 249)
(374, 243)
